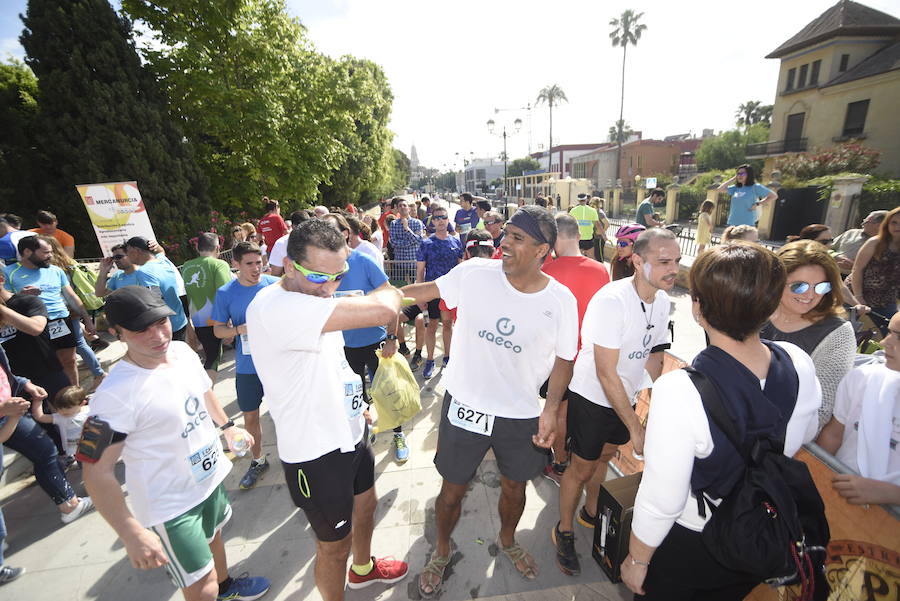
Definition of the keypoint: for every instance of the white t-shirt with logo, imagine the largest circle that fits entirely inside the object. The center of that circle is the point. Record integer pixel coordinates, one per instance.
(315, 398)
(70, 429)
(848, 405)
(173, 455)
(614, 319)
(505, 341)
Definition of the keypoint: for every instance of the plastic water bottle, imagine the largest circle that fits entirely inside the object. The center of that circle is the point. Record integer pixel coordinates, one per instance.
(241, 445)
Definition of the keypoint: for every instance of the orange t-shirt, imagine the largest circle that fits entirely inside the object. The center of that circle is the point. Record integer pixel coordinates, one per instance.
(64, 238)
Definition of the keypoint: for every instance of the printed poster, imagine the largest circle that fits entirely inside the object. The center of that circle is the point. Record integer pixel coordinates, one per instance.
(117, 213)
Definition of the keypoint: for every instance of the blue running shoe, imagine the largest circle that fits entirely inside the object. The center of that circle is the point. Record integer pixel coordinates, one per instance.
(428, 370)
(401, 451)
(446, 361)
(245, 588)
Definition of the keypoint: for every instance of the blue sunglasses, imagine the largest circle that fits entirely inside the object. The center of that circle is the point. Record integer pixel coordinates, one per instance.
(801, 287)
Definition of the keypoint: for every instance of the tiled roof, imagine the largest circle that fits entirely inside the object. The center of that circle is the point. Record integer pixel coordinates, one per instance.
(886, 59)
(844, 18)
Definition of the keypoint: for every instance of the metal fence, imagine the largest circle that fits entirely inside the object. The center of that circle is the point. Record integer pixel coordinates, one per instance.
(686, 235)
(400, 273)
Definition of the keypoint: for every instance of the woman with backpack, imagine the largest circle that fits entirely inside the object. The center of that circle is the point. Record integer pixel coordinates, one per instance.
(768, 389)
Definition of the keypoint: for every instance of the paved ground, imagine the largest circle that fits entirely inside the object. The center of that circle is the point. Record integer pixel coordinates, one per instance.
(268, 537)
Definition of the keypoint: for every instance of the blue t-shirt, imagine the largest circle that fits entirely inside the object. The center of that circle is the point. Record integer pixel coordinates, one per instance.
(168, 287)
(644, 210)
(465, 220)
(51, 280)
(440, 256)
(742, 200)
(231, 304)
(7, 248)
(364, 275)
(120, 279)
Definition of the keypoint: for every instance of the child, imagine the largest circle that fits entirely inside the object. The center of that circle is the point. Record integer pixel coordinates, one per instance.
(704, 225)
(70, 411)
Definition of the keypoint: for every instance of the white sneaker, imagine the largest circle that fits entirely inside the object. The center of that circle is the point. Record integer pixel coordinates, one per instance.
(84, 505)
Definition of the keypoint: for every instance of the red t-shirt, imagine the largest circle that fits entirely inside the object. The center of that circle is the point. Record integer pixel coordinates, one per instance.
(582, 276)
(272, 227)
(384, 227)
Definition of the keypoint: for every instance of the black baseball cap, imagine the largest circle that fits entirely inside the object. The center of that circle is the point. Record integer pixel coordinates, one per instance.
(136, 308)
(138, 242)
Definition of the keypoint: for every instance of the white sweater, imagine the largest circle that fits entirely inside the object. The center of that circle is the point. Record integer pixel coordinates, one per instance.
(678, 431)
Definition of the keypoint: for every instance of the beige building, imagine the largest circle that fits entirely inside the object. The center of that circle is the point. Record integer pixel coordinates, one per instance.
(839, 81)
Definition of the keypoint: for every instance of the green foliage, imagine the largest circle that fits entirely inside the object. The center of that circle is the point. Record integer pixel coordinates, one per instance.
(626, 30)
(729, 148)
(848, 157)
(753, 111)
(365, 174)
(264, 108)
(102, 117)
(520, 166)
(620, 131)
(552, 96)
(400, 172)
(21, 165)
(879, 194)
(446, 181)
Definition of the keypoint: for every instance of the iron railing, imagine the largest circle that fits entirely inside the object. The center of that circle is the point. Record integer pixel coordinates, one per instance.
(776, 147)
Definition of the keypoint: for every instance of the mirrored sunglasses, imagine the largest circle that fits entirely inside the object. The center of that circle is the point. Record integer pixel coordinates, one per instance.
(801, 287)
(319, 277)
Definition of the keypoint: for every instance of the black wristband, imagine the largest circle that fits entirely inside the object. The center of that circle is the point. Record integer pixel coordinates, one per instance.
(390, 337)
(226, 425)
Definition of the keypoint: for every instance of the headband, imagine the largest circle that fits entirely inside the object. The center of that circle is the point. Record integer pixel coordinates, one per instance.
(528, 224)
(472, 243)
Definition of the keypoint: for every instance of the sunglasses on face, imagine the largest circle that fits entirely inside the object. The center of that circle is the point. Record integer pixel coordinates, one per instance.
(801, 287)
(623, 243)
(742, 173)
(118, 257)
(491, 222)
(439, 217)
(319, 277)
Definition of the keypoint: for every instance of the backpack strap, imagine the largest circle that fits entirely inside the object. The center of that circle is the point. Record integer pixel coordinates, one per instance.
(712, 402)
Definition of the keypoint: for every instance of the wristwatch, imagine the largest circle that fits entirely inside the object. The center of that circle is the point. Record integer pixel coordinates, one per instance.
(226, 425)
(390, 337)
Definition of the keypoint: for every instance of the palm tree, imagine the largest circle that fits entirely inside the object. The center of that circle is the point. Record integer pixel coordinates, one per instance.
(620, 132)
(552, 95)
(748, 113)
(626, 30)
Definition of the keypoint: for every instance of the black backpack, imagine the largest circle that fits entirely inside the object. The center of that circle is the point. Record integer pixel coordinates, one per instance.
(772, 524)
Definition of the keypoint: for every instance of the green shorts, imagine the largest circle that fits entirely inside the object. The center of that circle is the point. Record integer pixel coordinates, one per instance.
(186, 538)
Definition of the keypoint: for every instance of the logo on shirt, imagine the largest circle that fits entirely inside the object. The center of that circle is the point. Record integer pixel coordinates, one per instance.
(195, 277)
(196, 414)
(505, 328)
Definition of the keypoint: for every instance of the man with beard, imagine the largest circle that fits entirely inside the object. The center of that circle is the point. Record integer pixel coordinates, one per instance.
(623, 333)
(35, 275)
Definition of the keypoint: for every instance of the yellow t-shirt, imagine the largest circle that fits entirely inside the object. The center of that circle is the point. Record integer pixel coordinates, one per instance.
(704, 228)
(586, 216)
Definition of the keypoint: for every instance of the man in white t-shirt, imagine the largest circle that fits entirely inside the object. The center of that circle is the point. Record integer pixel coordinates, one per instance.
(278, 251)
(157, 410)
(519, 324)
(865, 428)
(316, 402)
(624, 333)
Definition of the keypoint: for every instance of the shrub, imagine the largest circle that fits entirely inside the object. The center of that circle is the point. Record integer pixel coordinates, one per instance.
(851, 156)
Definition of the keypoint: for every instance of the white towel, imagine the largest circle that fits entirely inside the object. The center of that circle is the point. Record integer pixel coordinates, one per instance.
(876, 421)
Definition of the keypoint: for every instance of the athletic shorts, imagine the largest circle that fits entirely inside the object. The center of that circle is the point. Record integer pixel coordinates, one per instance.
(589, 426)
(586, 244)
(459, 451)
(434, 310)
(364, 362)
(249, 390)
(61, 324)
(325, 488)
(212, 347)
(185, 538)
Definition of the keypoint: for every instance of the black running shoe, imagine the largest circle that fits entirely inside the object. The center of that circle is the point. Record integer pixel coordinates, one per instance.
(566, 558)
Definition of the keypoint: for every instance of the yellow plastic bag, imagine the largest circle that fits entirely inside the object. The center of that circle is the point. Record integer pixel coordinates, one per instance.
(394, 392)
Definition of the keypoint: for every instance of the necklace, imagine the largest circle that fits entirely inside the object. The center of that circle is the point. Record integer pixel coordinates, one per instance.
(648, 318)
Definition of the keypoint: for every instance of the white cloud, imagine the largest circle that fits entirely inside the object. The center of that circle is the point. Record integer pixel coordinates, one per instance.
(451, 63)
(10, 47)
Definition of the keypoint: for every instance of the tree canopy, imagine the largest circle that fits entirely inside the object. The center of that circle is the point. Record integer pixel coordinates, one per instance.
(729, 148)
(520, 166)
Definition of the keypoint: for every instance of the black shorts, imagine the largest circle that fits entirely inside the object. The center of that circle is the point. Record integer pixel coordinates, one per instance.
(363, 359)
(65, 341)
(546, 385)
(434, 310)
(459, 452)
(586, 244)
(589, 426)
(324, 488)
(212, 347)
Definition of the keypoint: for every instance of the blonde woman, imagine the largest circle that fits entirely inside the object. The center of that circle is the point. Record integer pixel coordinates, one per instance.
(704, 225)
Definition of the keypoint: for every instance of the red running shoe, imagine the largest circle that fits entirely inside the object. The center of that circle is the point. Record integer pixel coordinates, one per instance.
(385, 570)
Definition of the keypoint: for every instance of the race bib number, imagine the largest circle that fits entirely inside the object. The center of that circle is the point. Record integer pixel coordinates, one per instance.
(7, 333)
(353, 396)
(245, 344)
(467, 418)
(58, 328)
(203, 462)
(345, 293)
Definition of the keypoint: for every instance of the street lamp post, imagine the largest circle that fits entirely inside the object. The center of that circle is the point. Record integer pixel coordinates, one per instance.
(490, 125)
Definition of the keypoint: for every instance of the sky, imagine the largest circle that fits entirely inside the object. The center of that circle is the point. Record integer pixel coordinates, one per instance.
(450, 64)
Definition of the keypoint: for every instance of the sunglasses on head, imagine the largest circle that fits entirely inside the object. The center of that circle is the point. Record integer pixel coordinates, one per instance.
(623, 243)
(319, 277)
(801, 287)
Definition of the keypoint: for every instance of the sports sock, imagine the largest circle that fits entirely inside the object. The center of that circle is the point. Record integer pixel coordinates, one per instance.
(364, 569)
